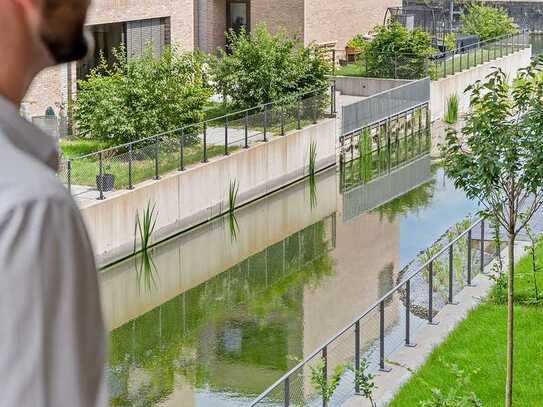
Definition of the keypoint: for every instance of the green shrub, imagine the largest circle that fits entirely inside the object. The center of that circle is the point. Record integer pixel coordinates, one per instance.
(261, 68)
(487, 21)
(357, 42)
(396, 52)
(450, 41)
(136, 98)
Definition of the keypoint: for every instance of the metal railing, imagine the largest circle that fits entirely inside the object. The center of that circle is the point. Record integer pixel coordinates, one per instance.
(379, 330)
(384, 104)
(391, 142)
(122, 166)
(440, 64)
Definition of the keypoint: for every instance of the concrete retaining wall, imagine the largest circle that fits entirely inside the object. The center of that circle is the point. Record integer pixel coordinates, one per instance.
(442, 89)
(358, 86)
(184, 199)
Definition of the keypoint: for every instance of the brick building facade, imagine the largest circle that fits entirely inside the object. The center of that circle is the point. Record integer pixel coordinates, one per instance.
(200, 24)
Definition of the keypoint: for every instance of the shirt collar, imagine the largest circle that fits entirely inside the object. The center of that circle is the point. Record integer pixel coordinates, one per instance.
(25, 136)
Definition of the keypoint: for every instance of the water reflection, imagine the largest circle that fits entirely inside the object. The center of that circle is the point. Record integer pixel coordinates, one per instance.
(226, 318)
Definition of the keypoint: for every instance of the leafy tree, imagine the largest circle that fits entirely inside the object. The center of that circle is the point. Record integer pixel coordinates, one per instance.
(136, 98)
(260, 67)
(396, 52)
(498, 160)
(487, 21)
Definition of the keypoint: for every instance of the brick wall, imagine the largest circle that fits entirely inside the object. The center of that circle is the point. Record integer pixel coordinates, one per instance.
(279, 14)
(340, 20)
(49, 87)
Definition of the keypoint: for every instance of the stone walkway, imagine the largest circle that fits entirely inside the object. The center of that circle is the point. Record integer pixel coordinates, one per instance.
(407, 360)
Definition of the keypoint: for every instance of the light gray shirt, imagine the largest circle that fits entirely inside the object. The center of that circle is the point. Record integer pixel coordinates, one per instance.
(52, 340)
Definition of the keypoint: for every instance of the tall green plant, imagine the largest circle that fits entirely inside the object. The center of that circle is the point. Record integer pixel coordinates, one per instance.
(261, 67)
(232, 199)
(498, 161)
(312, 171)
(142, 96)
(324, 384)
(397, 52)
(487, 21)
(144, 229)
(364, 381)
(364, 156)
(451, 113)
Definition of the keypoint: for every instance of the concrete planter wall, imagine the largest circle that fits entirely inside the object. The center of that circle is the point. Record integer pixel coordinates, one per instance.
(188, 198)
(442, 89)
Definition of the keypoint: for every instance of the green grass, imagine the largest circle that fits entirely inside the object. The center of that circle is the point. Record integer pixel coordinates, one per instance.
(84, 171)
(352, 69)
(479, 342)
(77, 147)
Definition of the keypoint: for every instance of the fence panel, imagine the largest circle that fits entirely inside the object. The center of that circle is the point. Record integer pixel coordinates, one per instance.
(386, 104)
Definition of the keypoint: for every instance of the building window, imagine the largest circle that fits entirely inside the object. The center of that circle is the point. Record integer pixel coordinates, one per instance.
(238, 15)
(133, 35)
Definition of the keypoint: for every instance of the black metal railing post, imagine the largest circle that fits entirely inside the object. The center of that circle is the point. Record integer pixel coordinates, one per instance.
(298, 114)
(157, 151)
(482, 246)
(69, 175)
(461, 58)
(454, 54)
(282, 113)
(334, 62)
(246, 130)
(356, 354)
(226, 135)
(130, 183)
(182, 151)
(382, 366)
(451, 272)
(324, 370)
(469, 256)
(431, 294)
(332, 98)
(205, 143)
(408, 314)
(286, 399)
(265, 122)
(314, 108)
(101, 176)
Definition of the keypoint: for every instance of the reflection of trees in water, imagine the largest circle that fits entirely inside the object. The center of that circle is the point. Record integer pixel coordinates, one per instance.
(413, 201)
(248, 317)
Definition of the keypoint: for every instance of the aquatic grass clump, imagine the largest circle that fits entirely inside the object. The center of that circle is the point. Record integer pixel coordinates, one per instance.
(312, 170)
(144, 263)
(364, 156)
(232, 198)
(451, 114)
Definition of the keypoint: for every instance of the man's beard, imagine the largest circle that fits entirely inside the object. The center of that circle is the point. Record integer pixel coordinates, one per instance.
(70, 48)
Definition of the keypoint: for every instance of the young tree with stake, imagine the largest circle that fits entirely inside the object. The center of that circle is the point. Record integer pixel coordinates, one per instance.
(498, 160)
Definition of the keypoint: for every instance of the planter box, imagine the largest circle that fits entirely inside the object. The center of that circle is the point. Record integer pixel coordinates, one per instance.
(105, 181)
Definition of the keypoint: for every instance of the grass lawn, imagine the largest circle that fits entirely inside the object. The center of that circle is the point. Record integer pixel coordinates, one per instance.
(352, 69)
(77, 147)
(479, 342)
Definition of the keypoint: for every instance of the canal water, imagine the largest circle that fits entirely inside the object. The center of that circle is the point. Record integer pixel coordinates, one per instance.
(216, 315)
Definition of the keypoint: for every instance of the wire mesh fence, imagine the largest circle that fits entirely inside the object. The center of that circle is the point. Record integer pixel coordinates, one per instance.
(124, 166)
(327, 377)
(438, 65)
(381, 147)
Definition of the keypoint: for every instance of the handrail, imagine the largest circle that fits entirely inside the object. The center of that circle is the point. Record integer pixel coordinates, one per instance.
(362, 315)
(188, 126)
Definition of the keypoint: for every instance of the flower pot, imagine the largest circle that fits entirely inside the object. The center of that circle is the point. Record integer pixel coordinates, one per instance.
(351, 53)
(105, 181)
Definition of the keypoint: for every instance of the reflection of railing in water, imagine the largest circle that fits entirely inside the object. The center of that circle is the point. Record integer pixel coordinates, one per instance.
(346, 346)
(383, 189)
(262, 295)
(382, 146)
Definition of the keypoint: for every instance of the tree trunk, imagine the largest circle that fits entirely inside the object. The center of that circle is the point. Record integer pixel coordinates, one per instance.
(510, 310)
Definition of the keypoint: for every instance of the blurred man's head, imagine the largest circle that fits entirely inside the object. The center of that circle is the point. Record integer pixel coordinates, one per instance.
(62, 29)
(35, 34)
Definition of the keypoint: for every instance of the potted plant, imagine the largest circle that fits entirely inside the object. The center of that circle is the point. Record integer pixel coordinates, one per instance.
(106, 180)
(354, 47)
